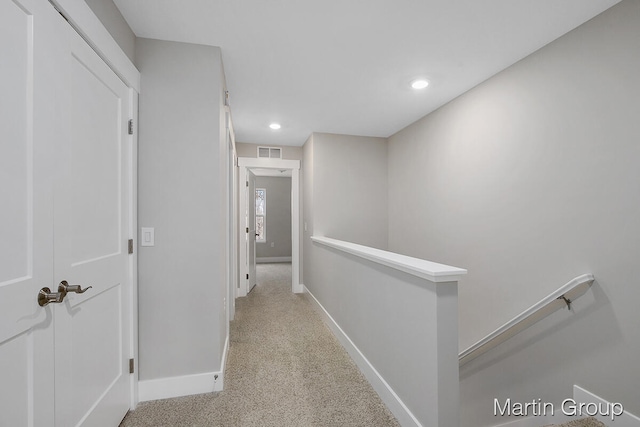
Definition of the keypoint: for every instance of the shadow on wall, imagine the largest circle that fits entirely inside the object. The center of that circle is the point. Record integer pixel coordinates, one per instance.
(560, 328)
(589, 327)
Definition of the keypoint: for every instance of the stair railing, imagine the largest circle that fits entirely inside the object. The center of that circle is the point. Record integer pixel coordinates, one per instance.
(563, 297)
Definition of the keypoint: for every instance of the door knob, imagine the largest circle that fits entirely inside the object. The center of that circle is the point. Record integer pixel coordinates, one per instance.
(64, 287)
(45, 296)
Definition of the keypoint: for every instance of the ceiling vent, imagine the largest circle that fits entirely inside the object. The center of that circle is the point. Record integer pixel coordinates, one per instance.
(269, 152)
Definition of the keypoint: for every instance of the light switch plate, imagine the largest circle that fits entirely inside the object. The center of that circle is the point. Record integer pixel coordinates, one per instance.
(147, 236)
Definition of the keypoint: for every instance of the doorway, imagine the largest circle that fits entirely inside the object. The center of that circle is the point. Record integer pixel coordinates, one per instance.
(247, 224)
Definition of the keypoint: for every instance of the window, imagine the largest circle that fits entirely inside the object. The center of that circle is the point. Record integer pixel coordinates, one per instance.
(261, 213)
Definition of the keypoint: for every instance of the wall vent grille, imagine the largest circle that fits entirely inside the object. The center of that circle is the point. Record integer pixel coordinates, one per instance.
(269, 152)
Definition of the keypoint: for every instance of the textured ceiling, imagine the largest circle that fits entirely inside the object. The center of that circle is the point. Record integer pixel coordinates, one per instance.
(344, 66)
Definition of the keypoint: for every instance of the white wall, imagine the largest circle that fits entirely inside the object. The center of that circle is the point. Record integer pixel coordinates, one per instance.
(114, 22)
(388, 315)
(405, 327)
(278, 224)
(349, 188)
(251, 150)
(182, 319)
(344, 182)
(529, 180)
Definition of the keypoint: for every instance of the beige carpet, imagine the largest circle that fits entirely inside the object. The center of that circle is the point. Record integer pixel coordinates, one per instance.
(584, 422)
(285, 368)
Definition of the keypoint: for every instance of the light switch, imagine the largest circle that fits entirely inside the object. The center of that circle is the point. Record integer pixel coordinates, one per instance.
(147, 237)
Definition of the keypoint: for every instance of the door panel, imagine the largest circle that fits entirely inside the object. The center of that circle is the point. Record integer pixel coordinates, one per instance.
(95, 161)
(27, 124)
(16, 411)
(16, 159)
(91, 227)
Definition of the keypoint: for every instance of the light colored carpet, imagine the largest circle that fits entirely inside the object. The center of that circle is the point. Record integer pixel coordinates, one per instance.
(584, 422)
(285, 368)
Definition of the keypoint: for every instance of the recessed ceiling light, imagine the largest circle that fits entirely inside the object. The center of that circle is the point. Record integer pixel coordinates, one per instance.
(275, 126)
(419, 84)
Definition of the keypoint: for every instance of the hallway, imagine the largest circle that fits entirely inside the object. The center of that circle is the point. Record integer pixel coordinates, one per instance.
(285, 368)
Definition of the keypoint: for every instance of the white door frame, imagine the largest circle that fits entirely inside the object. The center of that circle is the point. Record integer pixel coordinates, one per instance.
(232, 219)
(87, 24)
(133, 234)
(245, 163)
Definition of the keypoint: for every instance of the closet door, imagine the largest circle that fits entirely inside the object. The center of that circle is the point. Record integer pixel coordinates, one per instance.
(91, 228)
(27, 148)
(64, 190)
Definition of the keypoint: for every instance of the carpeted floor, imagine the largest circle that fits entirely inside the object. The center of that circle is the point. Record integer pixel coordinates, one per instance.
(584, 422)
(285, 368)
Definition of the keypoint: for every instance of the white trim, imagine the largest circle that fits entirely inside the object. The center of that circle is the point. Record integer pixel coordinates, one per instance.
(133, 259)
(270, 259)
(245, 163)
(251, 162)
(85, 22)
(219, 383)
(186, 385)
(232, 226)
(580, 395)
(242, 234)
(431, 271)
(571, 290)
(627, 419)
(537, 421)
(166, 388)
(296, 286)
(384, 390)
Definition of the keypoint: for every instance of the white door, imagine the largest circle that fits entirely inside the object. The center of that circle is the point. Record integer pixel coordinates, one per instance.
(251, 235)
(63, 183)
(91, 241)
(26, 236)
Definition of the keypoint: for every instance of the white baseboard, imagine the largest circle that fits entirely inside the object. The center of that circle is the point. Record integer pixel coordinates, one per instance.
(219, 384)
(627, 419)
(386, 393)
(580, 395)
(537, 421)
(165, 388)
(268, 260)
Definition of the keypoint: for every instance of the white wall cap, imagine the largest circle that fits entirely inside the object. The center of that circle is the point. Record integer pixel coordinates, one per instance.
(428, 270)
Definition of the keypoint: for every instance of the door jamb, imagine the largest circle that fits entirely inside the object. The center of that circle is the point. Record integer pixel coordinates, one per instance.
(133, 259)
(245, 163)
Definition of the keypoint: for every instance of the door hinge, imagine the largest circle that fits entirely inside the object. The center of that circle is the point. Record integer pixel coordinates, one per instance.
(131, 366)
(131, 127)
(130, 246)
(247, 276)
(247, 229)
